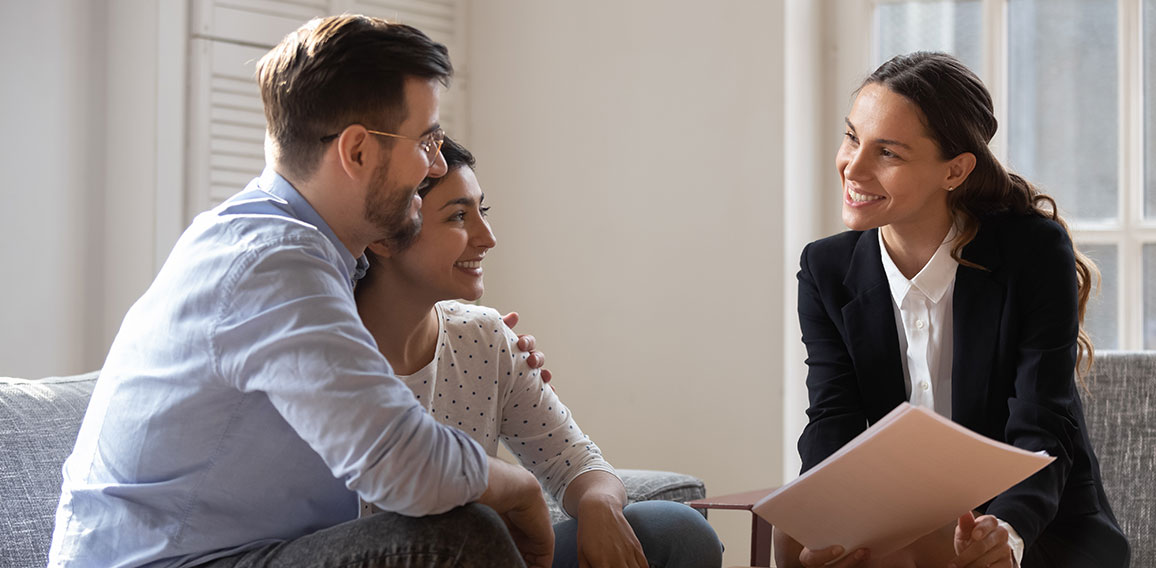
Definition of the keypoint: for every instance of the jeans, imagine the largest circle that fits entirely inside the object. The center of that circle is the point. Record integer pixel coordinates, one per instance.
(672, 536)
(473, 536)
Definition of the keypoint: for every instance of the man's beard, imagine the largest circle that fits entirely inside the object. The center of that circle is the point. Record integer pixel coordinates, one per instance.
(388, 210)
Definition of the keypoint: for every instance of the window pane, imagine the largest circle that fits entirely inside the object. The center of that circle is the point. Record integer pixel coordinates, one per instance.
(1100, 318)
(1149, 296)
(937, 25)
(1062, 113)
(1149, 118)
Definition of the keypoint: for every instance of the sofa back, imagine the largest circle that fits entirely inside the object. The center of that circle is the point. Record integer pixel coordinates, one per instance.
(1121, 416)
(38, 425)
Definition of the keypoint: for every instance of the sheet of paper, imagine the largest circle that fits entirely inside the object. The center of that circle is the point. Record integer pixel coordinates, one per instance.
(908, 474)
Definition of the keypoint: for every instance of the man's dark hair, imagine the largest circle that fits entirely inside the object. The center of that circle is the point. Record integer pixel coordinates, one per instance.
(337, 71)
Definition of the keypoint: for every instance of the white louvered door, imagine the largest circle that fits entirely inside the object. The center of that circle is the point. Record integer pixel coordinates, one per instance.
(226, 125)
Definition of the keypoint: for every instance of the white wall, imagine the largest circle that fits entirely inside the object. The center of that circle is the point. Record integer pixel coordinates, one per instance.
(817, 93)
(51, 156)
(131, 147)
(632, 152)
(77, 113)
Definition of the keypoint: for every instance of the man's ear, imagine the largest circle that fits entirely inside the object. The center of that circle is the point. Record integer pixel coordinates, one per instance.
(380, 249)
(958, 169)
(353, 148)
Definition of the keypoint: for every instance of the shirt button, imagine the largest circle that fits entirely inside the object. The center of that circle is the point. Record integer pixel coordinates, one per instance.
(918, 324)
(924, 385)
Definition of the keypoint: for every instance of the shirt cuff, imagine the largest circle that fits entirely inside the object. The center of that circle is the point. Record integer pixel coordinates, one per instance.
(1014, 541)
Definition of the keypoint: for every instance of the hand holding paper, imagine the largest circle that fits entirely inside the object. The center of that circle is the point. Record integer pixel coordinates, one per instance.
(829, 555)
(909, 474)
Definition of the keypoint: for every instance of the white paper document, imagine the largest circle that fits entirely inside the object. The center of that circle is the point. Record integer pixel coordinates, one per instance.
(910, 473)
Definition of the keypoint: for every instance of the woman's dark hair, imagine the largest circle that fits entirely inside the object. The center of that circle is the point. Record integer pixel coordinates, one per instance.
(958, 113)
(456, 156)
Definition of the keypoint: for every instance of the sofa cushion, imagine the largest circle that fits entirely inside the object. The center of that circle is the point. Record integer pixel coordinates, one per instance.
(1121, 415)
(38, 425)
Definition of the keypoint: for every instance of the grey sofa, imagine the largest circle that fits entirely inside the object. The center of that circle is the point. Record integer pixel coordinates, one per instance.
(1121, 415)
(39, 420)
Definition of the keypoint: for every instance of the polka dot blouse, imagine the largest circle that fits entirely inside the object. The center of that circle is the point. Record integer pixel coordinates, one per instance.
(479, 382)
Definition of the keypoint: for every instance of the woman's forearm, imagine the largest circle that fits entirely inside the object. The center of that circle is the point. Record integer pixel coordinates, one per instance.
(594, 486)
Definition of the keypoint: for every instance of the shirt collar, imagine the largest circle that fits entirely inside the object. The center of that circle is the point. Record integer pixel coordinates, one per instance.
(272, 183)
(934, 280)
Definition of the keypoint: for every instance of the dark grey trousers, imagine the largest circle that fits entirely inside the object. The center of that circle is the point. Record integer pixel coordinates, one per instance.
(473, 536)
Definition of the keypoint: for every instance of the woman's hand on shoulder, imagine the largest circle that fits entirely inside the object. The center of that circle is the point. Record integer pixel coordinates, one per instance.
(526, 343)
(981, 541)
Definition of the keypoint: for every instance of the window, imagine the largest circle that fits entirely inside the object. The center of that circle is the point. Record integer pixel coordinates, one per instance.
(1076, 100)
(226, 117)
(944, 25)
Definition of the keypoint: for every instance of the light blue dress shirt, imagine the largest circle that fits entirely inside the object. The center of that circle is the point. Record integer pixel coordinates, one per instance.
(243, 402)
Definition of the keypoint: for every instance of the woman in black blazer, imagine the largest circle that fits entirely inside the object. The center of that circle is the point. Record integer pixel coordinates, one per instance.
(919, 179)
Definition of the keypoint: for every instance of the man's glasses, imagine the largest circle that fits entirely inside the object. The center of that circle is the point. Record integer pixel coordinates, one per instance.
(431, 143)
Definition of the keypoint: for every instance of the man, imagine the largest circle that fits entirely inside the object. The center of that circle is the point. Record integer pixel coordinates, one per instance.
(243, 407)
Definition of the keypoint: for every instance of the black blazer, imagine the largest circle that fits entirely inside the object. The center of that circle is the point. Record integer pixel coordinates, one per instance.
(1014, 352)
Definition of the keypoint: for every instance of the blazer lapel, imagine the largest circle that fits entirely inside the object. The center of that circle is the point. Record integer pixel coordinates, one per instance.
(977, 311)
(872, 337)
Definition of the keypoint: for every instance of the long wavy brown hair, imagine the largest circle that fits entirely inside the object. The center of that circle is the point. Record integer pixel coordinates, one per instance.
(957, 110)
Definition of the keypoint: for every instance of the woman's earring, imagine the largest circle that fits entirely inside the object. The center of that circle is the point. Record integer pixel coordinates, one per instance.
(951, 188)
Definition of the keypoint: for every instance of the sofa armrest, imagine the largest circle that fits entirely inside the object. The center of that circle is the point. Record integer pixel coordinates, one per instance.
(39, 421)
(648, 485)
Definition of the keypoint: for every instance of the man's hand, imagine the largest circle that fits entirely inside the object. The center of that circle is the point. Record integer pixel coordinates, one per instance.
(514, 494)
(981, 542)
(526, 343)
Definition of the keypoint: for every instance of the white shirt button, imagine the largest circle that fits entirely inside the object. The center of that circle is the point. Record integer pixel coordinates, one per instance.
(924, 385)
(919, 324)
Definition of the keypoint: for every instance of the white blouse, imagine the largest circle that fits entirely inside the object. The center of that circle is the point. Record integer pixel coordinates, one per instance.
(923, 318)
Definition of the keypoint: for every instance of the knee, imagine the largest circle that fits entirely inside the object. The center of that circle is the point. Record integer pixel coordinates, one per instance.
(481, 534)
(471, 536)
(673, 534)
(479, 521)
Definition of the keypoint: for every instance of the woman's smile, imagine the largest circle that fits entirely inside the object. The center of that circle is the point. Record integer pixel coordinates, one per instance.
(471, 266)
(854, 198)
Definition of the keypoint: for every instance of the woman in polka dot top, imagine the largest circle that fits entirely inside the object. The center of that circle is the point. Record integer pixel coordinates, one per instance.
(462, 364)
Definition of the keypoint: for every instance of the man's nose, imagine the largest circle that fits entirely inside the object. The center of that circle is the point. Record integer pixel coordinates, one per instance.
(438, 168)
